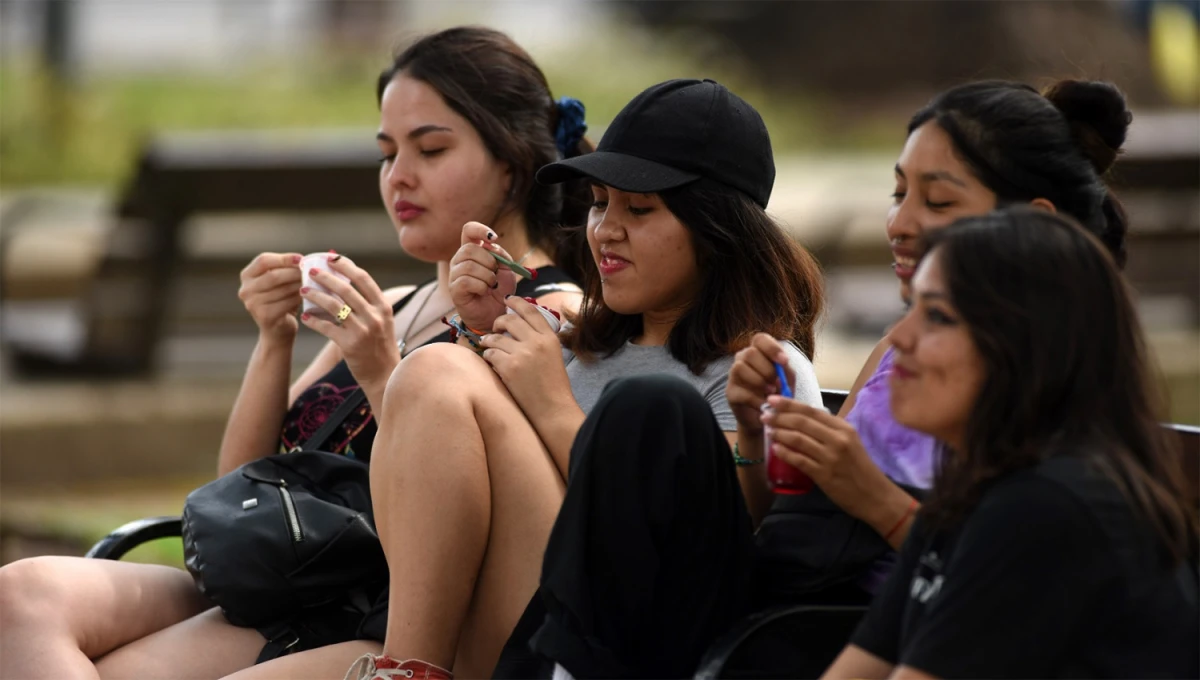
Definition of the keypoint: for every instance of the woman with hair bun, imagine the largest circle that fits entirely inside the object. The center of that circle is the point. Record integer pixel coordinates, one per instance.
(974, 148)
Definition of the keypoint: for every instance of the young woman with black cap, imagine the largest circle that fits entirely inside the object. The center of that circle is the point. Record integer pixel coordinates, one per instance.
(974, 148)
(687, 268)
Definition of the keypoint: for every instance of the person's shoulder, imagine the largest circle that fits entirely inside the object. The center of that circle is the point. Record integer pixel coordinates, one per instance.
(394, 295)
(1078, 474)
(1062, 492)
(715, 374)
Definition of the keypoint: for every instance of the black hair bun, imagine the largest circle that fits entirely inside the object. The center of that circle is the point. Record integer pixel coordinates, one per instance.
(1098, 116)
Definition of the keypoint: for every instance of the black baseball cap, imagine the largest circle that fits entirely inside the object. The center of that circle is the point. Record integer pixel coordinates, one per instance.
(673, 134)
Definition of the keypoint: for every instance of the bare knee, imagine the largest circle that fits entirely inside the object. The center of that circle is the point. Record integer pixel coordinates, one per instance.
(431, 367)
(33, 592)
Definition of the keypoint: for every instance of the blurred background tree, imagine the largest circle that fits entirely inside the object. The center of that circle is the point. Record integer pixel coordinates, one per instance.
(95, 76)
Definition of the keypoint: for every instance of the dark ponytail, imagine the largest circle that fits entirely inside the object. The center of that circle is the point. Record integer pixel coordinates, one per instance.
(485, 77)
(1059, 146)
(1099, 121)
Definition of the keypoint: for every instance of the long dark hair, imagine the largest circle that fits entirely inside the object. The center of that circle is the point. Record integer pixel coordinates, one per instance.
(492, 82)
(754, 278)
(1067, 371)
(1058, 145)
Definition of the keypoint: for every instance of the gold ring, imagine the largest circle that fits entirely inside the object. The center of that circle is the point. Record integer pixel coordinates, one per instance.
(343, 314)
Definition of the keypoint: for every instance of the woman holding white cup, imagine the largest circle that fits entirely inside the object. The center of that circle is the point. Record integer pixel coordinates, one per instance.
(466, 118)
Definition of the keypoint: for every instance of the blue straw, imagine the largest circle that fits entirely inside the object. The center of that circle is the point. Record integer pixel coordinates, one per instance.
(784, 389)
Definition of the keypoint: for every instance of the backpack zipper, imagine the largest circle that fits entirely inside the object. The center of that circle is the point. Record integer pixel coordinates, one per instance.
(289, 508)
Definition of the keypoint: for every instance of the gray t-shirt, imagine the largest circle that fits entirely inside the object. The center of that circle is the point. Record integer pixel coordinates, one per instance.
(589, 378)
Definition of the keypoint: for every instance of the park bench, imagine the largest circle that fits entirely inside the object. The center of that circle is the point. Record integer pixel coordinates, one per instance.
(183, 176)
(1158, 180)
(758, 646)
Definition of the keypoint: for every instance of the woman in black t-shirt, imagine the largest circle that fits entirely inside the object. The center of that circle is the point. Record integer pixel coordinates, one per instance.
(466, 118)
(1057, 539)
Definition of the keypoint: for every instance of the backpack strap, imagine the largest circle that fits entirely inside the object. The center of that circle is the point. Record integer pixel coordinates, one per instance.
(281, 640)
(341, 621)
(335, 420)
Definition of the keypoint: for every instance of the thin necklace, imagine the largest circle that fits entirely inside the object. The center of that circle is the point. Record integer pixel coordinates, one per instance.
(403, 344)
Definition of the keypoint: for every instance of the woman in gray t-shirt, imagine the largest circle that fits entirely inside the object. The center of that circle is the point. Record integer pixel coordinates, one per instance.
(685, 268)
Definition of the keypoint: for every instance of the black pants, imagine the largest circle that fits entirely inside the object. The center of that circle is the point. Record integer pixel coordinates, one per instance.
(651, 555)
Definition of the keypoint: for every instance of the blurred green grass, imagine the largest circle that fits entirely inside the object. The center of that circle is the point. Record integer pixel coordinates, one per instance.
(75, 518)
(90, 132)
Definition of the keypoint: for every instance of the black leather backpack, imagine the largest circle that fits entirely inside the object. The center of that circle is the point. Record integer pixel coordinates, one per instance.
(287, 544)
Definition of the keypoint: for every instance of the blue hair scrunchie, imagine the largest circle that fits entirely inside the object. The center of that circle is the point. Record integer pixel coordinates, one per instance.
(571, 126)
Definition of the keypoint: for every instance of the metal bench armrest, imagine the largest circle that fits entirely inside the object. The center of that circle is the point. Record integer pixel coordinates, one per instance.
(129, 536)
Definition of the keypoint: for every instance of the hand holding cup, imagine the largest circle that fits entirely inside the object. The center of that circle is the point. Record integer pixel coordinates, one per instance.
(270, 291)
(347, 306)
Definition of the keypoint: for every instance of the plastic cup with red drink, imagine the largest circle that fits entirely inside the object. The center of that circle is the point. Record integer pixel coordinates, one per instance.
(782, 477)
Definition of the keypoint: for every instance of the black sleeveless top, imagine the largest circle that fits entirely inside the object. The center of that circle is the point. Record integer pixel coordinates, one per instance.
(357, 432)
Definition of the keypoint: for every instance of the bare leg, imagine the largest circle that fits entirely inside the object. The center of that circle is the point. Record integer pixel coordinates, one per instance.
(204, 647)
(58, 613)
(325, 663)
(465, 495)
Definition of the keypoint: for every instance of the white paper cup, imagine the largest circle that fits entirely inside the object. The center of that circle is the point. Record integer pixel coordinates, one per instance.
(319, 261)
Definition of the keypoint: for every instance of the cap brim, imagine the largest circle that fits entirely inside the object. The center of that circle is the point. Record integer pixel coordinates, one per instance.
(617, 170)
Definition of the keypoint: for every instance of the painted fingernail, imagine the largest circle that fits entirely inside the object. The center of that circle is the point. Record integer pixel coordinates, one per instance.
(306, 316)
(296, 259)
(304, 290)
(333, 251)
(314, 272)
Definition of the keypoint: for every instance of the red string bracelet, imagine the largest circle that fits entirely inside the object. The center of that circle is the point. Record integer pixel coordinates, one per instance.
(912, 507)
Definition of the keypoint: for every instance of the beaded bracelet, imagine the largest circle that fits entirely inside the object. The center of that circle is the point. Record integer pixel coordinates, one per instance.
(743, 462)
(457, 328)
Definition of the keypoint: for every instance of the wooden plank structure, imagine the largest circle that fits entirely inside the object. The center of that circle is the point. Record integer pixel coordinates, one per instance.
(181, 176)
(185, 175)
